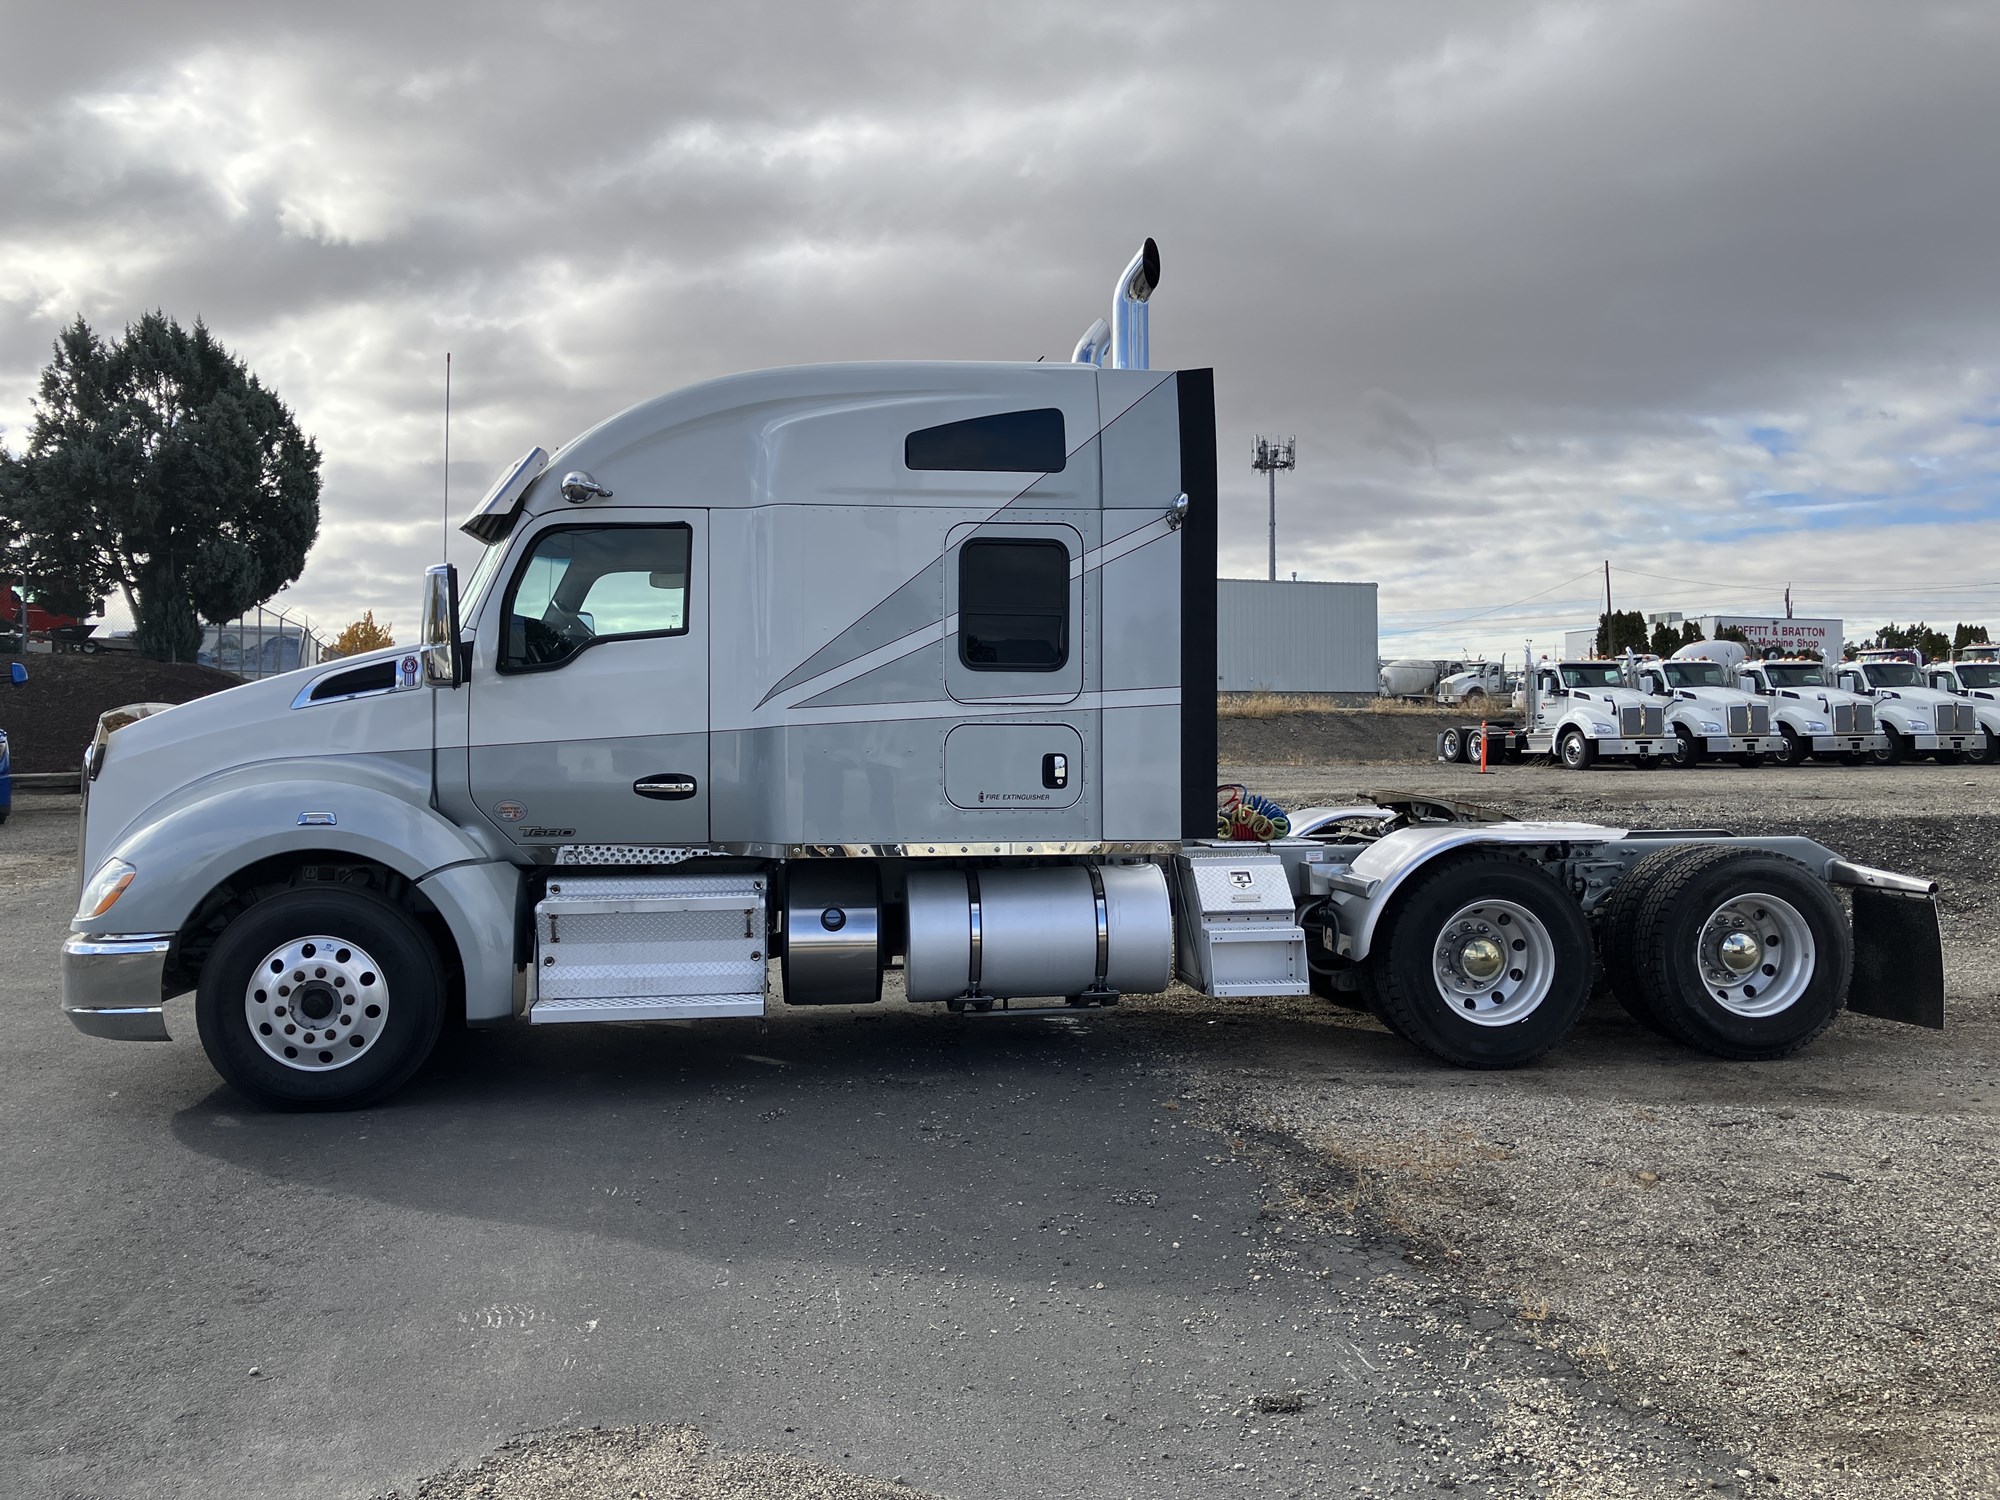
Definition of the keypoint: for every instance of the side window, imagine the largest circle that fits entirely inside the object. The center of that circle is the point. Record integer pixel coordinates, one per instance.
(585, 584)
(1008, 442)
(1013, 605)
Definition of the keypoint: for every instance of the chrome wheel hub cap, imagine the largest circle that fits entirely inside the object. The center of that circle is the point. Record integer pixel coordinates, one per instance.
(316, 1003)
(1493, 962)
(1756, 955)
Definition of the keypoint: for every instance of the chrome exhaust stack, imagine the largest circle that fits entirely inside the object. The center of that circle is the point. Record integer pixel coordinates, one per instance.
(1130, 341)
(1091, 347)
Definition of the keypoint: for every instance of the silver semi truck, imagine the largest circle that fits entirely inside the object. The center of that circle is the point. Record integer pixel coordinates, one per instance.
(783, 683)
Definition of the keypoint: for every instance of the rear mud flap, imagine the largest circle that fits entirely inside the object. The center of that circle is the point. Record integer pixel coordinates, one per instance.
(1898, 958)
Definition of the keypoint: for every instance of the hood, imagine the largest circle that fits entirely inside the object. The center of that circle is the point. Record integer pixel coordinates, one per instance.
(361, 708)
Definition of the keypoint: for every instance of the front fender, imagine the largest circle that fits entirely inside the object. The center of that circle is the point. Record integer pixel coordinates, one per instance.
(186, 846)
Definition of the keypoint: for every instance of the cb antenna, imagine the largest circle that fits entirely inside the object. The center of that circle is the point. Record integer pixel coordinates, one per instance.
(1267, 458)
(445, 554)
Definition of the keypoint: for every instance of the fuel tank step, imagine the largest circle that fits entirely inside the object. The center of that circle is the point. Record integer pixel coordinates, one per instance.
(649, 948)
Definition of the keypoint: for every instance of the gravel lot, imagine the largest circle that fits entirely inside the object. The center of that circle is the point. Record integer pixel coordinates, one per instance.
(1626, 1271)
(1797, 1260)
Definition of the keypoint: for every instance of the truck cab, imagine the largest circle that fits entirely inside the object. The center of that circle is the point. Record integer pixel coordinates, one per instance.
(1974, 680)
(1816, 717)
(1588, 710)
(1915, 718)
(1482, 685)
(1709, 715)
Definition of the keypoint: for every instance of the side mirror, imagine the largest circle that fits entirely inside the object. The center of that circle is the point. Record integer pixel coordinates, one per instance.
(442, 664)
(17, 672)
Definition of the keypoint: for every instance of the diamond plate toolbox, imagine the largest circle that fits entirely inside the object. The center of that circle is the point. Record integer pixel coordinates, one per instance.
(629, 937)
(1241, 936)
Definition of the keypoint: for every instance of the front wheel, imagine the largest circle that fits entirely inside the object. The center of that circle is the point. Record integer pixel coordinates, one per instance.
(1576, 751)
(320, 998)
(1797, 748)
(1895, 748)
(1687, 749)
(1985, 750)
(1485, 963)
(1744, 955)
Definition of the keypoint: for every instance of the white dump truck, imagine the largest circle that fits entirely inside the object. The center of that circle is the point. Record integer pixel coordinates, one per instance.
(1709, 716)
(1974, 677)
(788, 685)
(1815, 717)
(1914, 717)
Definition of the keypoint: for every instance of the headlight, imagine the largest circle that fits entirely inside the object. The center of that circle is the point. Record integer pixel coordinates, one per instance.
(1921, 726)
(1815, 726)
(102, 890)
(1708, 728)
(1602, 728)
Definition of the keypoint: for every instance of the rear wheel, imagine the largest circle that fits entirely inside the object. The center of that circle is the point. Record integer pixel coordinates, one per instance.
(1797, 747)
(1612, 929)
(1475, 740)
(1451, 747)
(320, 998)
(1895, 748)
(1484, 963)
(1745, 955)
(1576, 751)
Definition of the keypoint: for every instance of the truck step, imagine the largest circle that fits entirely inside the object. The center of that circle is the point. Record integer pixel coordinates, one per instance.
(649, 947)
(644, 1008)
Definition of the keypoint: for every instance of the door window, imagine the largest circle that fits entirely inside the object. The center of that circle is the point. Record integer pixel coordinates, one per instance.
(584, 584)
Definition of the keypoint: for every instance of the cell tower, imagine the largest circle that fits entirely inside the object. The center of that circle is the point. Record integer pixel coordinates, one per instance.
(1268, 457)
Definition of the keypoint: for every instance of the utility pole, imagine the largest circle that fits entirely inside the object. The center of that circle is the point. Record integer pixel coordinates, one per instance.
(1267, 458)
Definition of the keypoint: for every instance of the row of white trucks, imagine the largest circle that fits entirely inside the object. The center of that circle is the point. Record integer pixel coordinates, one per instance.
(1708, 702)
(827, 685)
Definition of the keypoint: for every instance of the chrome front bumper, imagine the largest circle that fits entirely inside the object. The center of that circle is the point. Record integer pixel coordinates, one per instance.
(111, 985)
(1828, 744)
(1743, 744)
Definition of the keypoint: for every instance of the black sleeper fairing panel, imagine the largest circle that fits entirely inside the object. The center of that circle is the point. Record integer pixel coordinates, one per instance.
(1198, 553)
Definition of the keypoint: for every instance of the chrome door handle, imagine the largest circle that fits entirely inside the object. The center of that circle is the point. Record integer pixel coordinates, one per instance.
(668, 787)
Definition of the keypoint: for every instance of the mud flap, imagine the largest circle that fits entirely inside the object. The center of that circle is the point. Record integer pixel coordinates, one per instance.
(1898, 958)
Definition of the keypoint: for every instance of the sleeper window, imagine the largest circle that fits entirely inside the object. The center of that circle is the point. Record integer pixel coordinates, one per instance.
(581, 585)
(1013, 605)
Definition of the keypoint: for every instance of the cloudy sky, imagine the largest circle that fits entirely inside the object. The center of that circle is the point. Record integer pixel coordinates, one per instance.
(1709, 290)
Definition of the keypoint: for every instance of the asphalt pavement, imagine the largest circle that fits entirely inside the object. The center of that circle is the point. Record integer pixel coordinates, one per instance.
(987, 1258)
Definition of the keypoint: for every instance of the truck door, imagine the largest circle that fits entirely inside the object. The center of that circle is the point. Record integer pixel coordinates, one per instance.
(591, 725)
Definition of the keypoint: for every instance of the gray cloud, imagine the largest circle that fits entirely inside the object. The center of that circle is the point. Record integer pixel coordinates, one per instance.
(1524, 279)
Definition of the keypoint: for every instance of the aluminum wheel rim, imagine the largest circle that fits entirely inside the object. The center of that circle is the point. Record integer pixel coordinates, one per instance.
(1572, 752)
(317, 1003)
(1785, 955)
(1521, 983)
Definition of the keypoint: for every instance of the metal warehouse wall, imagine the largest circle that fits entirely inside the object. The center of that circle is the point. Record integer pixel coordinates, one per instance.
(1294, 637)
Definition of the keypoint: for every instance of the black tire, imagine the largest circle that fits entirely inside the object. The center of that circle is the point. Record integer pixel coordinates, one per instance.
(1612, 930)
(1895, 751)
(1667, 931)
(1575, 750)
(1474, 740)
(1987, 751)
(1687, 749)
(1451, 747)
(409, 968)
(1797, 747)
(1402, 986)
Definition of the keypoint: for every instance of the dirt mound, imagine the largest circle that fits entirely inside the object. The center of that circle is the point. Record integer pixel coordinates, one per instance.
(1332, 736)
(50, 717)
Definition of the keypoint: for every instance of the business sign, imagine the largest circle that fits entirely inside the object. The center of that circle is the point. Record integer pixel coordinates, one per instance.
(1821, 638)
